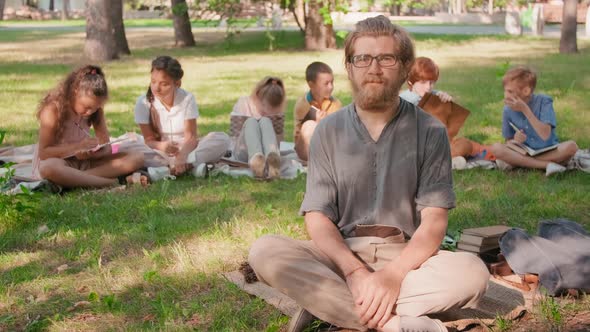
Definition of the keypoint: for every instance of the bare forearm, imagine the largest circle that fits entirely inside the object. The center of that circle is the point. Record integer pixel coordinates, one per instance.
(58, 151)
(104, 152)
(188, 146)
(542, 129)
(424, 243)
(328, 239)
(156, 145)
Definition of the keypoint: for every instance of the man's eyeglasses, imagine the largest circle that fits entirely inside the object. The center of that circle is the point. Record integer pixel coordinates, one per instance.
(365, 60)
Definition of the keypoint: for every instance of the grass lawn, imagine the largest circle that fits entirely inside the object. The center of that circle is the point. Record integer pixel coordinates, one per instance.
(151, 259)
(144, 23)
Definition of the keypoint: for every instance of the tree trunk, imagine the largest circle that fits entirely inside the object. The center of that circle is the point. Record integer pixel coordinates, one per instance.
(330, 36)
(64, 9)
(119, 27)
(183, 33)
(491, 7)
(569, 27)
(100, 42)
(51, 5)
(2, 2)
(297, 7)
(318, 36)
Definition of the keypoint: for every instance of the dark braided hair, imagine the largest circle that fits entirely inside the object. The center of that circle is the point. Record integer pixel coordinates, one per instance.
(173, 69)
(170, 66)
(87, 79)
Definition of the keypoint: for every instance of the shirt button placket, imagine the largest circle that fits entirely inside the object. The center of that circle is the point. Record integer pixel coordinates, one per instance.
(375, 176)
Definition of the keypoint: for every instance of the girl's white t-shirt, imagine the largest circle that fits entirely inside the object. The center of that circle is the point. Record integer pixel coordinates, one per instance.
(172, 122)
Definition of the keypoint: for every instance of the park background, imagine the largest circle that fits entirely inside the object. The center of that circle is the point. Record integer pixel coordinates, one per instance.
(152, 259)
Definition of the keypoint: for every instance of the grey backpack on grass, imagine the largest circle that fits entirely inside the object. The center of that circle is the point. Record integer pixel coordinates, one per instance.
(559, 254)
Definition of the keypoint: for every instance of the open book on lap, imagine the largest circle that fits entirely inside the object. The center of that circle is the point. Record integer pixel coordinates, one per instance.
(526, 150)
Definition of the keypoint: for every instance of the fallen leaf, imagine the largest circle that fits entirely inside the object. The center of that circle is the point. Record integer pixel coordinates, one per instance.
(195, 320)
(41, 298)
(42, 229)
(62, 268)
(81, 304)
(82, 289)
(149, 318)
(85, 317)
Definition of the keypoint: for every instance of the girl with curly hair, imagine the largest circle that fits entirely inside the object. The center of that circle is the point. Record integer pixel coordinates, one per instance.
(67, 154)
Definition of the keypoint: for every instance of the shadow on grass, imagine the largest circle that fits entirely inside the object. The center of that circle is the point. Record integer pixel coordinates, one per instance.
(89, 229)
(192, 301)
(93, 235)
(106, 225)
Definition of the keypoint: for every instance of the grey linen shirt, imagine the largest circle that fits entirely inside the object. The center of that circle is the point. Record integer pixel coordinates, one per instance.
(354, 180)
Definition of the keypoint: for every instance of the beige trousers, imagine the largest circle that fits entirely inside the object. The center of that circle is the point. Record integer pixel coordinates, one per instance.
(301, 271)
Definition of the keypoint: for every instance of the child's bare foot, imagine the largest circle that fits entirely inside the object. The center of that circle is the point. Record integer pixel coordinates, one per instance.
(273, 161)
(136, 178)
(257, 163)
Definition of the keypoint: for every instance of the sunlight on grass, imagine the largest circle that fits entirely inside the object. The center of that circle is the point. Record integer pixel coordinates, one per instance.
(151, 259)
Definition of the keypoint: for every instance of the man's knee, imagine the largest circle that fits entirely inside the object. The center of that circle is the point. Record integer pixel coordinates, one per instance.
(264, 252)
(473, 277)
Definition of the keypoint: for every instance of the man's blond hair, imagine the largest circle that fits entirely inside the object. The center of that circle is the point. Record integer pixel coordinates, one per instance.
(381, 26)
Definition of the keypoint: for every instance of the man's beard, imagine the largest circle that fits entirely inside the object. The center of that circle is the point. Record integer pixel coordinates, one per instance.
(375, 97)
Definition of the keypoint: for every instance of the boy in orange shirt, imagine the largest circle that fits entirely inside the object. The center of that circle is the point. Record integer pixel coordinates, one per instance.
(421, 80)
(314, 106)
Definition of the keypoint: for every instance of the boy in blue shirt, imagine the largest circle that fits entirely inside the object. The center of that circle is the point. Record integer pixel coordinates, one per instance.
(534, 116)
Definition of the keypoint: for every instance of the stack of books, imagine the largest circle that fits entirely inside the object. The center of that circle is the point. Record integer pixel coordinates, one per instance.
(480, 240)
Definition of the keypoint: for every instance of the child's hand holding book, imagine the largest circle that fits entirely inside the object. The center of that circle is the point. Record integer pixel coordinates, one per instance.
(86, 148)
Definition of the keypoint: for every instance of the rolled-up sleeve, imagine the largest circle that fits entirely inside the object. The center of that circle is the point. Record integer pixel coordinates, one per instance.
(191, 108)
(547, 113)
(435, 183)
(507, 131)
(142, 111)
(321, 191)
